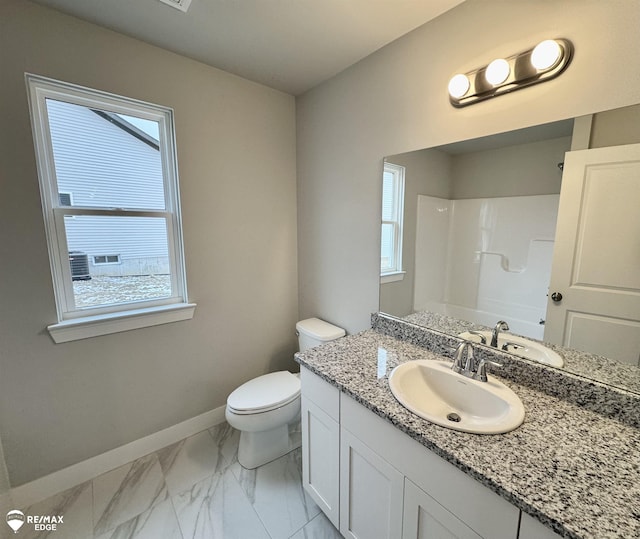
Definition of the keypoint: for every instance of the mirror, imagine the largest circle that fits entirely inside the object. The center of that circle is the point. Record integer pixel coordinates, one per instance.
(478, 234)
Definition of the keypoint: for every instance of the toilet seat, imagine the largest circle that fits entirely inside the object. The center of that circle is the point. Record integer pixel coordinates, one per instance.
(264, 393)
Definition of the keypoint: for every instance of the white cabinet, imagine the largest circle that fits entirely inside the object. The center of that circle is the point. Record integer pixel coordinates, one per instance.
(321, 444)
(530, 528)
(482, 510)
(370, 492)
(373, 481)
(424, 518)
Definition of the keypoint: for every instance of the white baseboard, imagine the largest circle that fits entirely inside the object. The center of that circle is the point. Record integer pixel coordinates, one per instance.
(25, 495)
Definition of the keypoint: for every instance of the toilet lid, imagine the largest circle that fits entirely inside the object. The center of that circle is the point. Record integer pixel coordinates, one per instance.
(265, 392)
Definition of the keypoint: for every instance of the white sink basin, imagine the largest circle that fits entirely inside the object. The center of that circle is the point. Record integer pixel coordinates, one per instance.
(433, 391)
(524, 347)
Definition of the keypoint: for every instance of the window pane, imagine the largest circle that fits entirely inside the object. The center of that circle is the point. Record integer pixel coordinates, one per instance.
(387, 258)
(388, 196)
(106, 160)
(143, 272)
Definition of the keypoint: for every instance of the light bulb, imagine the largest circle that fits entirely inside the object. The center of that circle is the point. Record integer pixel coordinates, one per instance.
(497, 71)
(546, 54)
(458, 85)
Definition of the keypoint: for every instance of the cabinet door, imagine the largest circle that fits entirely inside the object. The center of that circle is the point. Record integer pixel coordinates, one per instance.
(424, 518)
(320, 459)
(533, 529)
(370, 492)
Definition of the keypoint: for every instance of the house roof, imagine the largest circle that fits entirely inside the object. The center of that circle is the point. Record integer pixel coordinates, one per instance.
(123, 124)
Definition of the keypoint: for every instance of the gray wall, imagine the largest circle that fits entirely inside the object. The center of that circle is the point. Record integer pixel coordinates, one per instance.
(396, 101)
(60, 404)
(4, 476)
(615, 127)
(520, 170)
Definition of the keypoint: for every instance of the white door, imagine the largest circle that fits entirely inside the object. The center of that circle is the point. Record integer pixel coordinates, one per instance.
(594, 295)
(370, 492)
(424, 518)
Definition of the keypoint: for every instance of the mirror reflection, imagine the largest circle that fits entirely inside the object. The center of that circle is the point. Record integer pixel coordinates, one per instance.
(493, 228)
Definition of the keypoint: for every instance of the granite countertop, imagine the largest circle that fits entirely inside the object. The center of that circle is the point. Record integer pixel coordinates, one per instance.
(576, 471)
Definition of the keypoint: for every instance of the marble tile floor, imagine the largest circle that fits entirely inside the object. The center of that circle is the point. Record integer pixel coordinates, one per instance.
(194, 489)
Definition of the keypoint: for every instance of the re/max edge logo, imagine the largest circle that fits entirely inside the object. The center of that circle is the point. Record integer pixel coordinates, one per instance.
(16, 519)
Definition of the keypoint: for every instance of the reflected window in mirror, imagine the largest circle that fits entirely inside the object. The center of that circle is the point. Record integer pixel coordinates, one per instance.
(392, 220)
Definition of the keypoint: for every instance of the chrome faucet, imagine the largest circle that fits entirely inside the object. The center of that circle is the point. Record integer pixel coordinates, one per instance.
(500, 326)
(469, 367)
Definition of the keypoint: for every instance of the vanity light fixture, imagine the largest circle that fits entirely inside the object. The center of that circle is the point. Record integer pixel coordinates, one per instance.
(543, 62)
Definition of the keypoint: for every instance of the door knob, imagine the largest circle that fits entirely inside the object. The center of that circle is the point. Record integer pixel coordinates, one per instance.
(556, 296)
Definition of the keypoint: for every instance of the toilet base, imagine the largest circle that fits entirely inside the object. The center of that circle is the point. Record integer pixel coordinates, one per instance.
(258, 448)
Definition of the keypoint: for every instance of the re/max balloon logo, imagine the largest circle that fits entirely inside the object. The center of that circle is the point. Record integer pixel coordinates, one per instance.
(15, 519)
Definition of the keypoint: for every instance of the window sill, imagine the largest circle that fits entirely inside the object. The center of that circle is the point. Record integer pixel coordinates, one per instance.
(392, 277)
(104, 324)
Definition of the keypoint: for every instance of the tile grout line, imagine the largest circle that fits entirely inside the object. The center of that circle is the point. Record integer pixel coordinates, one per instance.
(246, 496)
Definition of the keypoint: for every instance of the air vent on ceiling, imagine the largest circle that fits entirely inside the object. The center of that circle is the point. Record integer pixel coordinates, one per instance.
(182, 5)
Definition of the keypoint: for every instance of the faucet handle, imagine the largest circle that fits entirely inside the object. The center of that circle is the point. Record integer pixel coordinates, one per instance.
(483, 339)
(459, 365)
(470, 364)
(481, 373)
(510, 344)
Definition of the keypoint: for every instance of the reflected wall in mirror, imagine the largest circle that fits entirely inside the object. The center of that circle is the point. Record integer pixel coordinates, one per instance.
(486, 231)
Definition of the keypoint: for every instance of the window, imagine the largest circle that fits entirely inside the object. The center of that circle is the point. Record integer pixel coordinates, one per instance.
(392, 217)
(117, 156)
(106, 259)
(65, 199)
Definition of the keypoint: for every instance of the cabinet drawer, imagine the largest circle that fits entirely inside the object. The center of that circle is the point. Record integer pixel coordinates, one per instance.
(322, 393)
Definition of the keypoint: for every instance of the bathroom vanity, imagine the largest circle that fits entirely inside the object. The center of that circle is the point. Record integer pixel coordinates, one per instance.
(379, 471)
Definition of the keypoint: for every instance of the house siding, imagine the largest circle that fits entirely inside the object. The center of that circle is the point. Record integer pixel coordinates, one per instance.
(102, 165)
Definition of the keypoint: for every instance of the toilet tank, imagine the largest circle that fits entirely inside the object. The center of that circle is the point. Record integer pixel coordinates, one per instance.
(314, 332)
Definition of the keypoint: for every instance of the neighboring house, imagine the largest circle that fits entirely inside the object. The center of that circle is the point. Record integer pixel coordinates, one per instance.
(104, 160)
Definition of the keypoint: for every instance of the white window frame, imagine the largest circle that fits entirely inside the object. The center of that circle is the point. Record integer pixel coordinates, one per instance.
(79, 323)
(395, 273)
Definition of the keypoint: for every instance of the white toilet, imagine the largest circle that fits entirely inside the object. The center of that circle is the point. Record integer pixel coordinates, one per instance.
(263, 408)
